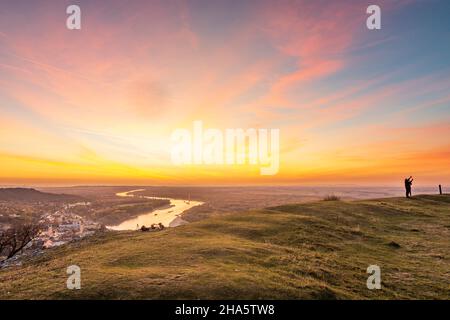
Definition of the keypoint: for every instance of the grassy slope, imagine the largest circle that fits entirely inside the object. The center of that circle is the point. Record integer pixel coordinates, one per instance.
(308, 251)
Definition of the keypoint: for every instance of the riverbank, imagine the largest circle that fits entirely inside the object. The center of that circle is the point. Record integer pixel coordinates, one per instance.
(318, 250)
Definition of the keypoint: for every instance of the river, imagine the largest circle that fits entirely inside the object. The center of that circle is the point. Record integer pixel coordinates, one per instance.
(168, 216)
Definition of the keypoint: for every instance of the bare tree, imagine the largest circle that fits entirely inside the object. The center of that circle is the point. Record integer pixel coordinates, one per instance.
(4, 242)
(15, 239)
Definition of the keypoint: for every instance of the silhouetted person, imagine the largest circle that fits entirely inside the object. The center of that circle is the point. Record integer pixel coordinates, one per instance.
(408, 184)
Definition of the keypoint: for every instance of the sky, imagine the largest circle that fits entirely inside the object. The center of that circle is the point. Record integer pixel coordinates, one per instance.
(98, 105)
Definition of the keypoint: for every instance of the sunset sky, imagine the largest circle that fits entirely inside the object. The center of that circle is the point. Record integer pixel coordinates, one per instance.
(98, 105)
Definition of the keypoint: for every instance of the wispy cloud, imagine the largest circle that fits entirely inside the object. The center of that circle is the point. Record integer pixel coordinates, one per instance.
(113, 91)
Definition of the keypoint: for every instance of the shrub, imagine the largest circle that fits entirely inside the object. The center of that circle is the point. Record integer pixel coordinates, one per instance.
(331, 197)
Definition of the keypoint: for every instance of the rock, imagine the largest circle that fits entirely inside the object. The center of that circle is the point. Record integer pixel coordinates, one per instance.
(394, 244)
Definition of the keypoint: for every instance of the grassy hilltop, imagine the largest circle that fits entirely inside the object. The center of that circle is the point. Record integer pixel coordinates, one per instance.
(310, 251)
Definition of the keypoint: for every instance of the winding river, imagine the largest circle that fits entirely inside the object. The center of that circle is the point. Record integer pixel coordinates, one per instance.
(168, 216)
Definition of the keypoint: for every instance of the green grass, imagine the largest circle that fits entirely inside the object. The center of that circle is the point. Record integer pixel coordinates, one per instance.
(316, 250)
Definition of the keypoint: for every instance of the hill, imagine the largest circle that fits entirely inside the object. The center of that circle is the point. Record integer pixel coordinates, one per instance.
(317, 250)
(32, 195)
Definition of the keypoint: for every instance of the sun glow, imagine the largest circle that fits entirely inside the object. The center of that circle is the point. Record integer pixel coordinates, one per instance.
(98, 105)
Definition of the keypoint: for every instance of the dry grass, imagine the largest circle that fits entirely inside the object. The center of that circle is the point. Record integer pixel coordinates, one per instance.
(317, 250)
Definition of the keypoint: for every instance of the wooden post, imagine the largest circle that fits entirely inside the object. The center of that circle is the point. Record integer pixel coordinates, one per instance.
(440, 189)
